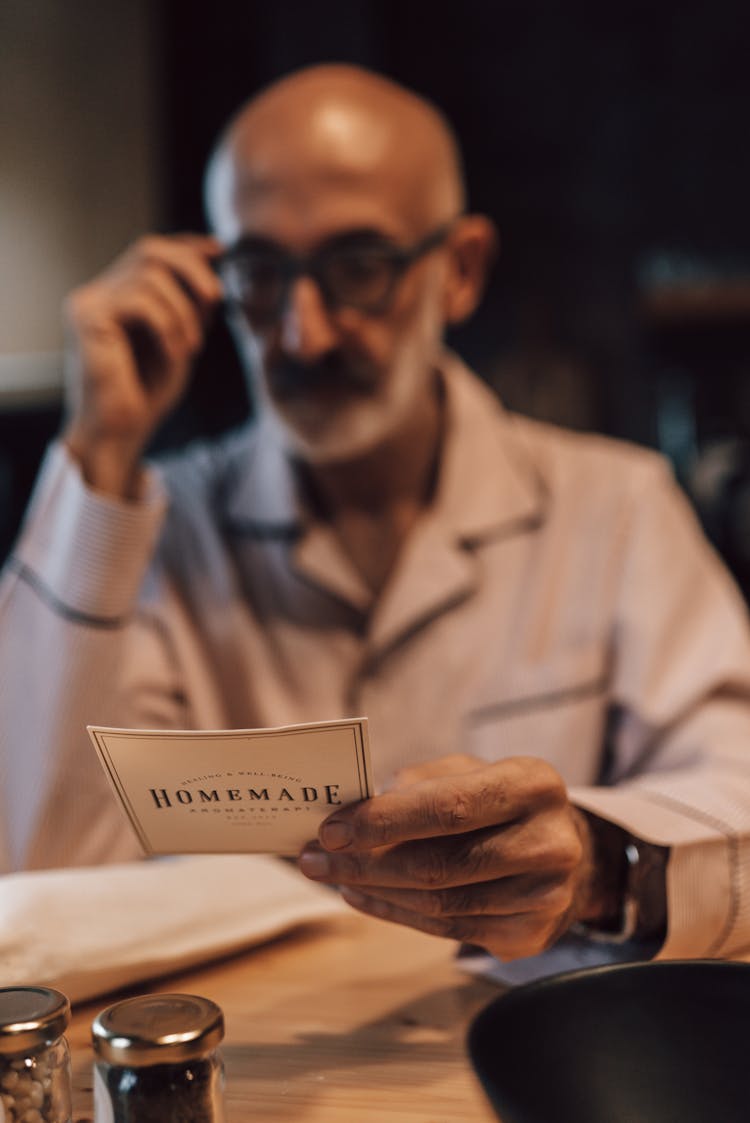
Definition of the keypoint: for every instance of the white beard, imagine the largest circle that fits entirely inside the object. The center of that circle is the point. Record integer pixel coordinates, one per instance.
(351, 430)
(320, 434)
(356, 426)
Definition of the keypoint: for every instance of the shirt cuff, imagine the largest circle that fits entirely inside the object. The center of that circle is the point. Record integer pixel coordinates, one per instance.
(84, 551)
(702, 899)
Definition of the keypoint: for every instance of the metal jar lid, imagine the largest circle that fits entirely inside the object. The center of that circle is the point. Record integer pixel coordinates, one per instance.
(157, 1029)
(31, 1018)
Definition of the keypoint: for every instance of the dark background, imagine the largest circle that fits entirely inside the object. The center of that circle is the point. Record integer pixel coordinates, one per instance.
(609, 143)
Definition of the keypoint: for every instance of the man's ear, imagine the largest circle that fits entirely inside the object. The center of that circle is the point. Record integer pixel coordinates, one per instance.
(472, 247)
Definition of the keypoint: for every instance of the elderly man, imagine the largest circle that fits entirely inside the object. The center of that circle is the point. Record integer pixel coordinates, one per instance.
(555, 666)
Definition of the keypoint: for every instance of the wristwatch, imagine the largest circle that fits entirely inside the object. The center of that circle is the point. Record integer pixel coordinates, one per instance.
(640, 911)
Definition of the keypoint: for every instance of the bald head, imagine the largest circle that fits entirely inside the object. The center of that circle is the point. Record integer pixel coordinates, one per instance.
(330, 129)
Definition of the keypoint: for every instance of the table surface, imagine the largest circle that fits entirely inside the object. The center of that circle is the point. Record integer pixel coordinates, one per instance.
(354, 1019)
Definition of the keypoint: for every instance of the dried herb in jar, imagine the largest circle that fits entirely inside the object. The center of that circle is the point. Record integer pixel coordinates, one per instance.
(158, 1061)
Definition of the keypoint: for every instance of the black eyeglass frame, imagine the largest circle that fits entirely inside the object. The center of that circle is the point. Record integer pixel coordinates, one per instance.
(313, 265)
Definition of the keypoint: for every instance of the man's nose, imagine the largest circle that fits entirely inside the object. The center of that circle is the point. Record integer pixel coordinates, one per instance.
(307, 332)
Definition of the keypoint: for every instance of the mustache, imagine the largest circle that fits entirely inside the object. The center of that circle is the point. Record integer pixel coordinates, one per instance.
(288, 378)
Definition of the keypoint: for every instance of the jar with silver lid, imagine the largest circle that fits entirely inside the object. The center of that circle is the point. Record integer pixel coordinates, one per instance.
(158, 1061)
(35, 1084)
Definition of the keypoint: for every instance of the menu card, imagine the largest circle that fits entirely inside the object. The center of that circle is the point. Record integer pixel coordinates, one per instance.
(234, 790)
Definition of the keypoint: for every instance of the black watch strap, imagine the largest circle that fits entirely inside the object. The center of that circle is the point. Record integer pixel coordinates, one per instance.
(642, 899)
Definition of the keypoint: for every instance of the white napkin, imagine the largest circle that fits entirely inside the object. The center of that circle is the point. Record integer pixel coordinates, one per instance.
(93, 930)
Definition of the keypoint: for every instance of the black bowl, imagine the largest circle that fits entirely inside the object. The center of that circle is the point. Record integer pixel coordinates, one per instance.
(665, 1042)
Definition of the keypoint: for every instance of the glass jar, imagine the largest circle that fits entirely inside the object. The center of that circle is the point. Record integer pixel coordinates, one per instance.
(35, 1084)
(157, 1061)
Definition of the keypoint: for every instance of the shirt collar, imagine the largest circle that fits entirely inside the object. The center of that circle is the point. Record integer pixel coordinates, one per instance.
(487, 482)
(261, 492)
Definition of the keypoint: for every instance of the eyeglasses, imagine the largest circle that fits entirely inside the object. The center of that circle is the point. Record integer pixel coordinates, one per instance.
(356, 271)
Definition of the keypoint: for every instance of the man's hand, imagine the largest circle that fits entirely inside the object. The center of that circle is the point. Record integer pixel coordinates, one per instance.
(493, 855)
(133, 333)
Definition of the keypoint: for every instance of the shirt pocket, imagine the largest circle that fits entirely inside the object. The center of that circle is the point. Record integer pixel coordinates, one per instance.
(555, 708)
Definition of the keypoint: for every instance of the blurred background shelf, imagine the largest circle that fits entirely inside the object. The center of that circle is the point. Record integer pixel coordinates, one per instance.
(721, 304)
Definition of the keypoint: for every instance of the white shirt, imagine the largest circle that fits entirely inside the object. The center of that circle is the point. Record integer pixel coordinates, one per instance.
(557, 600)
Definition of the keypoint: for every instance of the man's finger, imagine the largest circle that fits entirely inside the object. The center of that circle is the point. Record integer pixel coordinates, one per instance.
(189, 264)
(507, 937)
(507, 896)
(457, 804)
(522, 847)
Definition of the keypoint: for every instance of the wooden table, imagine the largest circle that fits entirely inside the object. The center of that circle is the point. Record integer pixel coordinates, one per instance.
(350, 1021)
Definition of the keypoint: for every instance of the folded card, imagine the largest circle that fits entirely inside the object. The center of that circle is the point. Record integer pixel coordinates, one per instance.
(237, 790)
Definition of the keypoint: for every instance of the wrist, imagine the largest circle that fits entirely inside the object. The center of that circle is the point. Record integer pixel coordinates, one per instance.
(110, 466)
(605, 871)
(625, 897)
